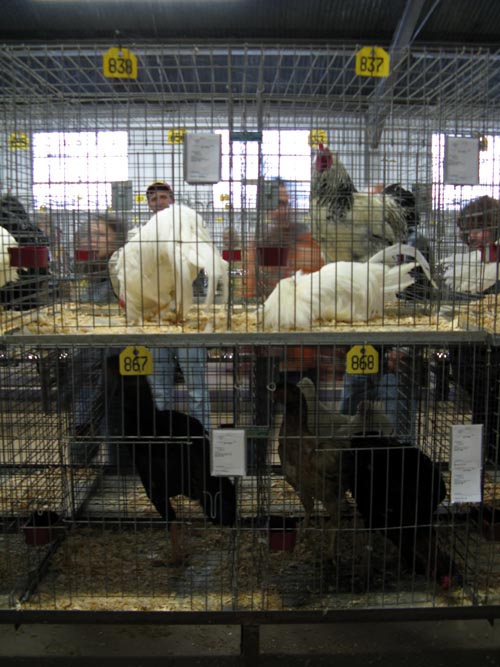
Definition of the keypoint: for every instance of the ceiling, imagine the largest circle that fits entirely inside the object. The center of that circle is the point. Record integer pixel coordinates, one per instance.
(437, 22)
(293, 56)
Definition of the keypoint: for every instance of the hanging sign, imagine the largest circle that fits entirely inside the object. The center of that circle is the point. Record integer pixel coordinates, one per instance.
(119, 64)
(245, 136)
(202, 158)
(373, 61)
(362, 360)
(136, 360)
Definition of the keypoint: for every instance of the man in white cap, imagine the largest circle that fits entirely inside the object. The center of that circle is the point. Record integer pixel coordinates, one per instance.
(159, 195)
(172, 362)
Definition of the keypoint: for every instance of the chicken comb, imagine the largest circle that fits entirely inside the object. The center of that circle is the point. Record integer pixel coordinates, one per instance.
(324, 159)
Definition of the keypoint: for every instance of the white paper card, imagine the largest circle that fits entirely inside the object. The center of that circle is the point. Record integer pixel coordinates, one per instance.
(461, 161)
(228, 453)
(202, 158)
(466, 463)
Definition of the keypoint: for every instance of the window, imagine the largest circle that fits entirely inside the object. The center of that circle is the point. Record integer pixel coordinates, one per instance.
(284, 153)
(74, 170)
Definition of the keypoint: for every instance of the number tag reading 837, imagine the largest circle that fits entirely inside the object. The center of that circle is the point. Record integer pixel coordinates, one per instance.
(136, 360)
(362, 360)
(372, 61)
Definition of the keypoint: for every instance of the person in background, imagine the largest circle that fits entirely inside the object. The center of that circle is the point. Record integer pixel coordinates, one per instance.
(281, 229)
(479, 224)
(476, 367)
(282, 246)
(95, 241)
(159, 196)
(170, 364)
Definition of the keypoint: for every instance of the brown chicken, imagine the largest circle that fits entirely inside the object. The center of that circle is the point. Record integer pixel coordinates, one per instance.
(310, 464)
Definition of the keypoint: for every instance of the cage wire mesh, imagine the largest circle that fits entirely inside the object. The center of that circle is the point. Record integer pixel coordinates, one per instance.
(344, 493)
(108, 502)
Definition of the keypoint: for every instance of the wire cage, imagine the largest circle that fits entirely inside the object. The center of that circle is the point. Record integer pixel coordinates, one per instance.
(239, 132)
(109, 502)
(349, 457)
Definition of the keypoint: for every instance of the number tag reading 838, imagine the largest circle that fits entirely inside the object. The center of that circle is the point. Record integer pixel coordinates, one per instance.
(136, 360)
(119, 64)
(362, 360)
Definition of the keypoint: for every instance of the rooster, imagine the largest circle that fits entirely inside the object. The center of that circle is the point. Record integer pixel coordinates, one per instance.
(156, 268)
(397, 490)
(347, 224)
(171, 452)
(342, 291)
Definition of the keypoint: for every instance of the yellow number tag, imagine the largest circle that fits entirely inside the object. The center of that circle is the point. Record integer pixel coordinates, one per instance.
(176, 135)
(18, 141)
(317, 137)
(373, 61)
(362, 360)
(119, 64)
(136, 360)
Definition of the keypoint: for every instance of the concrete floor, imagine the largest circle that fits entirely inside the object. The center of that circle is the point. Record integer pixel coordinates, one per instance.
(412, 644)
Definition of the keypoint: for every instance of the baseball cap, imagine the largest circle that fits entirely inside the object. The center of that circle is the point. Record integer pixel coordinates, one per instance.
(160, 185)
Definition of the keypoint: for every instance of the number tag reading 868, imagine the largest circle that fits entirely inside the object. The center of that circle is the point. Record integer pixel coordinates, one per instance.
(362, 360)
(136, 360)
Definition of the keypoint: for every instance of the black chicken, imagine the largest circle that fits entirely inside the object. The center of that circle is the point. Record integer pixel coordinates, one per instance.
(397, 489)
(171, 453)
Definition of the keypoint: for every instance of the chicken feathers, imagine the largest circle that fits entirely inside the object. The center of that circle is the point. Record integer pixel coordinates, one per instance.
(342, 291)
(171, 453)
(311, 465)
(156, 268)
(397, 489)
(467, 273)
(347, 224)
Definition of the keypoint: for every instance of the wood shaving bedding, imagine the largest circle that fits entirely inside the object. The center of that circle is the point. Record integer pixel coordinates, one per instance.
(104, 568)
(71, 319)
(481, 314)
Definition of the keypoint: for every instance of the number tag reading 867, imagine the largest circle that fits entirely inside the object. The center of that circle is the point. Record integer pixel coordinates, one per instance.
(362, 360)
(136, 360)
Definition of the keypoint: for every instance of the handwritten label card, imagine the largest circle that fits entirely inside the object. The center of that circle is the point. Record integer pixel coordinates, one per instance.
(466, 463)
(228, 454)
(202, 158)
(461, 161)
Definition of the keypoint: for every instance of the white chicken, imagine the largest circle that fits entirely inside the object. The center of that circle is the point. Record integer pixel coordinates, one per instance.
(7, 273)
(156, 268)
(350, 225)
(467, 273)
(342, 291)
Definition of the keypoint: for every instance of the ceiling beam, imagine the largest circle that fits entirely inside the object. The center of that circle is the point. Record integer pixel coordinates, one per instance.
(379, 107)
